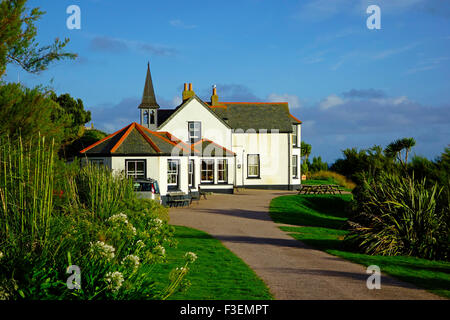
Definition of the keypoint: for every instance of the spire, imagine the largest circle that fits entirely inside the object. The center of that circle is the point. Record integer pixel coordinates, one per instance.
(148, 98)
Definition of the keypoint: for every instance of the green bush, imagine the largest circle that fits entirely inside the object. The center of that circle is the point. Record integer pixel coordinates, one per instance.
(397, 215)
(54, 215)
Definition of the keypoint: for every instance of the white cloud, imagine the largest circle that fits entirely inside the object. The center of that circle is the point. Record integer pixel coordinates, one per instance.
(293, 100)
(180, 24)
(331, 101)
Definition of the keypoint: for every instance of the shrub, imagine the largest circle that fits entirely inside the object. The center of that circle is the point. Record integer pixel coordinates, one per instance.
(97, 224)
(398, 215)
(334, 178)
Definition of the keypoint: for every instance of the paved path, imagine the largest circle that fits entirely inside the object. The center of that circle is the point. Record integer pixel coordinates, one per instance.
(291, 269)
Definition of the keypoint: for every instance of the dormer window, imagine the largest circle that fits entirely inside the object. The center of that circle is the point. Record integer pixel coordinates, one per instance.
(195, 130)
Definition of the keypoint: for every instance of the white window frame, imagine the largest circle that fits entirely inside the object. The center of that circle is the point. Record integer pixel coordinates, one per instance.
(295, 165)
(194, 134)
(135, 173)
(257, 165)
(191, 172)
(211, 161)
(294, 136)
(224, 170)
(174, 173)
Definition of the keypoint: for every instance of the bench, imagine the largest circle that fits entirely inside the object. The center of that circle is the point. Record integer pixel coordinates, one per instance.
(197, 195)
(319, 189)
(177, 199)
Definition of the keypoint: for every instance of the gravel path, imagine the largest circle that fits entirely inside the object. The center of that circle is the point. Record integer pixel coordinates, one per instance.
(291, 269)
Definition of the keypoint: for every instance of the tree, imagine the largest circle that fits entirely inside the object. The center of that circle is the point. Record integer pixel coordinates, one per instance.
(74, 108)
(305, 150)
(394, 149)
(88, 137)
(28, 112)
(318, 165)
(18, 39)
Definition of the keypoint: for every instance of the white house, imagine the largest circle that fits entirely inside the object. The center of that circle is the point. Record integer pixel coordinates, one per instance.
(214, 145)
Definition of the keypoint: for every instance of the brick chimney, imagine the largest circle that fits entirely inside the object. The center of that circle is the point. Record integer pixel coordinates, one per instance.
(214, 97)
(188, 92)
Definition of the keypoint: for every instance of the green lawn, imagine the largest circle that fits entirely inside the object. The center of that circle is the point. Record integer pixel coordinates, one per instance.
(320, 222)
(217, 274)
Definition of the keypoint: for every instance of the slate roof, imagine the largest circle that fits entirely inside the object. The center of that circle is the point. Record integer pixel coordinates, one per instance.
(148, 97)
(256, 115)
(135, 139)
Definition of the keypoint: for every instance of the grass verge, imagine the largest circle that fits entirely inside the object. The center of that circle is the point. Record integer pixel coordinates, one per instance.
(319, 222)
(217, 274)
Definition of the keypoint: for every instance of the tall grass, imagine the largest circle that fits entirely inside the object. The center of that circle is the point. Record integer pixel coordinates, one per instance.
(333, 177)
(26, 190)
(99, 190)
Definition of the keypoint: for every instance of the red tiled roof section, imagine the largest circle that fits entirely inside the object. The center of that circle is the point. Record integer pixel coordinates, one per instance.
(130, 128)
(296, 119)
(104, 139)
(253, 102)
(159, 135)
(147, 138)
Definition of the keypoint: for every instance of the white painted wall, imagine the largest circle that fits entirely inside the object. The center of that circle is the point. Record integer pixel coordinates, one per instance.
(273, 150)
(212, 127)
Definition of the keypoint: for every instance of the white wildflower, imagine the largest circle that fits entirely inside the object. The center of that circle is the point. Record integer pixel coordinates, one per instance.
(121, 217)
(114, 280)
(102, 249)
(160, 249)
(1, 255)
(158, 222)
(140, 244)
(131, 261)
(178, 272)
(190, 256)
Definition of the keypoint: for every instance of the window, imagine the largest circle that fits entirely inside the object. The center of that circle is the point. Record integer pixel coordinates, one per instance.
(222, 170)
(172, 172)
(97, 162)
(295, 166)
(207, 171)
(253, 165)
(145, 118)
(191, 173)
(195, 131)
(135, 169)
(152, 117)
(294, 136)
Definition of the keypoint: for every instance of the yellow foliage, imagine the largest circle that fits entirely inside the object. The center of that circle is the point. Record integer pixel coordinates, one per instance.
(338, 178)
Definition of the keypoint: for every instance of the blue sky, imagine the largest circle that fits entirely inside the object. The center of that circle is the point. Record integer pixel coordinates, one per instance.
(351, 86)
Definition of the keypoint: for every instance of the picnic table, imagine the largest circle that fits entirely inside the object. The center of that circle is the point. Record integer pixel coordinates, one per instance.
(178, 198)
(318, 189)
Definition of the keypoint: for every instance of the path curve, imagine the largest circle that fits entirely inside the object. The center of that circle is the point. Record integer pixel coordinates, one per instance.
(291, 269)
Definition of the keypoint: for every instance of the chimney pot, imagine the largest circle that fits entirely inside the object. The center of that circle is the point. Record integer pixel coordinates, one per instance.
(190, 86)
(185, 87)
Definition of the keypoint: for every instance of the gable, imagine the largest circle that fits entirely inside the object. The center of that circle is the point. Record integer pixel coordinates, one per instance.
(213, 127)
